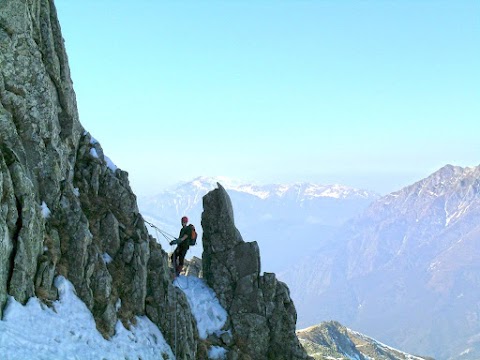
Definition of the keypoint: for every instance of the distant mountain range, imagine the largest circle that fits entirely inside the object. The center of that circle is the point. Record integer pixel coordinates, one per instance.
(406, 271)
(280, 217)
(403, 268)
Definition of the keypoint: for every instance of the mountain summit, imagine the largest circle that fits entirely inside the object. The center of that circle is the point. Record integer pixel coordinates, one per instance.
(300, 191)
(404, 271)
(331, 340)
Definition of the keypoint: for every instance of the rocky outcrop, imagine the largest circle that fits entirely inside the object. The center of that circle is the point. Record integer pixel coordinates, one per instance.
(64, 208)
(193, 267)
(38, 129)
(331, 340)
(261, 314)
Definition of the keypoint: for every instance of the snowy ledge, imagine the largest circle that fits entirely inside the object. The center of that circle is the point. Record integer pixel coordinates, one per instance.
(68, 331)
(206, 309)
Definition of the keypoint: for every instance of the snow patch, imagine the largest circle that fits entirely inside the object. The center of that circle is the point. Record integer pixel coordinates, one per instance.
(107, 258)
(68, 331)
(93, 152)
(384, 346)
(254, 190)
(455, 215)
(282, 190)
(76, 192)
(110, 164)
(433, 266)
(206, 308)
(209, 183)
(217, 353)
(45, 210)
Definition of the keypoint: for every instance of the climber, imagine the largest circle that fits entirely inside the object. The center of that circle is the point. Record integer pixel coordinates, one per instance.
(183, 243)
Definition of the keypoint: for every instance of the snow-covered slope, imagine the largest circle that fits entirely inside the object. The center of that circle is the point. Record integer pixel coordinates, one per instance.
(66, 329)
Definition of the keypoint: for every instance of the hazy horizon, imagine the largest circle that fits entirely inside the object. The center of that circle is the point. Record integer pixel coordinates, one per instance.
(374, 95)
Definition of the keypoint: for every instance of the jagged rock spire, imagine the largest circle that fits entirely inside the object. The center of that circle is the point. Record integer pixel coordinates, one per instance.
(262, 316)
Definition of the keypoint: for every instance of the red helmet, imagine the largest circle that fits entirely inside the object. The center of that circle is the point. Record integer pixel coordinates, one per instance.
(184, 219)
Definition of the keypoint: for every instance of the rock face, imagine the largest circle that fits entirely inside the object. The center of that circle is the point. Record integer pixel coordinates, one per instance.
(261, 314)
(64, 209)
(406, 270)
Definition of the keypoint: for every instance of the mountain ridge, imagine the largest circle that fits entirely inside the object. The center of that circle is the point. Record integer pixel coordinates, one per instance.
(413, 252)
(331, 340)
(262, 191)
(272, 220)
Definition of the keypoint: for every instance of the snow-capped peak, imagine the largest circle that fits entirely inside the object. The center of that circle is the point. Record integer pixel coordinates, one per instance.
(305, 190)
(298, 190)
(205, 182)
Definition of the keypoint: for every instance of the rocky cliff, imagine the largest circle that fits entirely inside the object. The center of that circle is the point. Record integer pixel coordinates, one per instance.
(65, 209)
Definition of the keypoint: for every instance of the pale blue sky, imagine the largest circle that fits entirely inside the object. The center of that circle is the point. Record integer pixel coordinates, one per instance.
(371, 94)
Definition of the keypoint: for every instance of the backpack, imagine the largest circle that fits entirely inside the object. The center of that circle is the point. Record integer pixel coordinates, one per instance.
(193, 236)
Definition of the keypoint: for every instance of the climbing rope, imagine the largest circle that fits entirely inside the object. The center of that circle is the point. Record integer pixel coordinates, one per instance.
(166, 235)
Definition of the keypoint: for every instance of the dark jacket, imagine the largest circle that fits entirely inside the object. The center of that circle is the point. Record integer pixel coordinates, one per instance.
(185, 230)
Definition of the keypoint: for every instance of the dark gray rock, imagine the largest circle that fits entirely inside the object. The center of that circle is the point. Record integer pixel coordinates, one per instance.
(261, 314)
(193, 267)
(63, 209)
